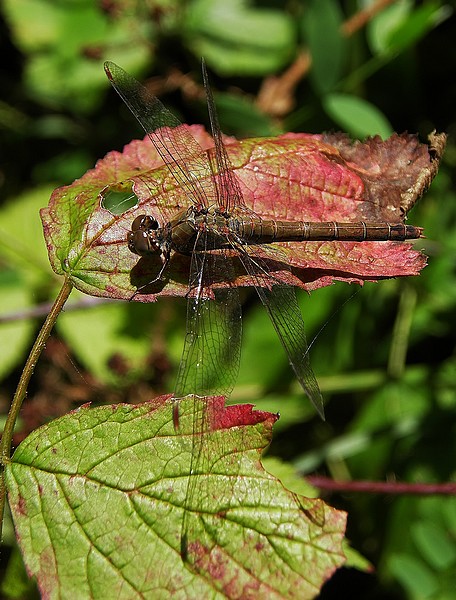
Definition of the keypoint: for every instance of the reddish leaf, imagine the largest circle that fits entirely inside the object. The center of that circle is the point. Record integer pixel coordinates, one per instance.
(291, 177)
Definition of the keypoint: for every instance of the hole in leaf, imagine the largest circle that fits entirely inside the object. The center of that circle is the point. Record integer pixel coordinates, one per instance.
(119, 198)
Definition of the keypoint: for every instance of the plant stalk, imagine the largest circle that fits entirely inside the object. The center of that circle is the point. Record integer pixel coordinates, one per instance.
(401, 332)
(21, 390)
(401, 488)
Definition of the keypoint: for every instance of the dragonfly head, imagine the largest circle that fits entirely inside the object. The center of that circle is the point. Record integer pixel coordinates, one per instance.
(143, 238)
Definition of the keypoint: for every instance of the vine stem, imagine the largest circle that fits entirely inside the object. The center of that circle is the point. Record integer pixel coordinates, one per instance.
(21, 390)
(362, 17)
(383, 487)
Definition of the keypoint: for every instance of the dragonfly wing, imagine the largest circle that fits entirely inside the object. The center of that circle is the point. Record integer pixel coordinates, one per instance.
(283, 309)
(211, 354)
(186, 160)
(229, 195)
(209, 366)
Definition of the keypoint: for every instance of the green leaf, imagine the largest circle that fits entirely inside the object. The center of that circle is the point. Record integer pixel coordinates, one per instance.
(21, 235)
(263, 358)
(119, 334)
(58, 38)
(289, 477)
(359, 117)
(34, 23)
(322, 22)
(414, 575)
(104, 506)
(355, 560)
(65, 166)
(238, 113)
(449, 516)
(435, 544)
(297, 483)
(387, 21)
(25, 269)
(238, 40)
(415, 26)
(16, 583)
(398, 404)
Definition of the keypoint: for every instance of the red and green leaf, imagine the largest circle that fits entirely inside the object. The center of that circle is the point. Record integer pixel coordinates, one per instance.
(99, 496)
(291, 177)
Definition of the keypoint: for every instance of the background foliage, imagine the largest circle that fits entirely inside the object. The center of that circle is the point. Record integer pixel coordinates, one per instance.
(385, 359)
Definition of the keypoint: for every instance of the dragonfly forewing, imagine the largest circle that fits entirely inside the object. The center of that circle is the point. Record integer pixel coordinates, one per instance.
(229, 193)
(181, 153)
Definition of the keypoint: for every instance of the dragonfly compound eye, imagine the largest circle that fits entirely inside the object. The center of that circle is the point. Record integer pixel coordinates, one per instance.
(140, 243)
(145, 223)
(142, 238)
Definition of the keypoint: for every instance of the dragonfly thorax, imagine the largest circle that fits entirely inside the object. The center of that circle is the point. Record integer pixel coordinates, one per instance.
(199, 230)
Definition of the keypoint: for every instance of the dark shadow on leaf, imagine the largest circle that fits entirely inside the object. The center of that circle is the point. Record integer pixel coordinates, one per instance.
(265, 270)
(144, 273)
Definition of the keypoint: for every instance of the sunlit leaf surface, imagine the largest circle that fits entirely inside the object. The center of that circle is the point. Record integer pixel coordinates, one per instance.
(99, 498)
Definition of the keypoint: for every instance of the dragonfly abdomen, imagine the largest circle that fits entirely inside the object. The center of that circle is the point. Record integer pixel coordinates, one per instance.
(266, 232)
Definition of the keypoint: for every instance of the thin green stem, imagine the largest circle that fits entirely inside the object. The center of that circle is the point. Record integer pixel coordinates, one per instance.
(401, 332)
(21, 390)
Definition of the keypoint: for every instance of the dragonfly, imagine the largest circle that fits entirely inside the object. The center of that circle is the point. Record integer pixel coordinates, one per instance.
(220, 234)
(215, 227)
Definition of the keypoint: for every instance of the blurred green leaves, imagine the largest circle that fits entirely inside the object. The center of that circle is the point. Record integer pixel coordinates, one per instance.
(403, 24)
(356, 115)
(238, 38)
(421, 549)
(63, 42)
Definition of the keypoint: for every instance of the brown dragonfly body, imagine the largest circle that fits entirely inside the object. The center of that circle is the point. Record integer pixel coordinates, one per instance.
(181, 234)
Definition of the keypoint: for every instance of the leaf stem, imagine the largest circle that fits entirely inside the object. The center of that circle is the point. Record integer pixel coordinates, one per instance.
(21, 390)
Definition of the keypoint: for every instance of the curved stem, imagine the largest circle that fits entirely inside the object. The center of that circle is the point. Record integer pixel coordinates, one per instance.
(21, 390)
(383, 487)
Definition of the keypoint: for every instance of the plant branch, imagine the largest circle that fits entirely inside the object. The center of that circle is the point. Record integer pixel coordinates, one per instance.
(362, 17)
(383, 487)
(43, 309)
(21, 390)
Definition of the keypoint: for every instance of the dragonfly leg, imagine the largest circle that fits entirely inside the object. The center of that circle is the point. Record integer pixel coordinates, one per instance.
(166, 259)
